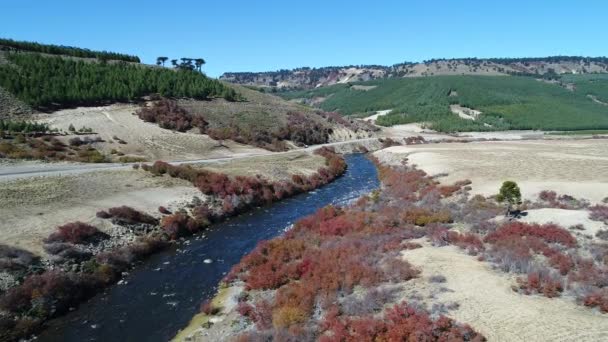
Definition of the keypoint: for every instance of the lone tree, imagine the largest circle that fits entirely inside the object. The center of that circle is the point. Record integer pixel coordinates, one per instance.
(161, 60)
(199, 62)
(509, 193)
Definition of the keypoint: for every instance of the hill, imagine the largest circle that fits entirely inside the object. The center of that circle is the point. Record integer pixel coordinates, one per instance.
(466, 103)
(308, 78)
(197, 116)
(52, 82)
(14, 45)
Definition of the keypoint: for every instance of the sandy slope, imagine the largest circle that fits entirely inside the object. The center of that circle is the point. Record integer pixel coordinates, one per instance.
(373, 118)
(143, 139)
(33, 207)
(464, 112)
(489, 305)
(575, 167)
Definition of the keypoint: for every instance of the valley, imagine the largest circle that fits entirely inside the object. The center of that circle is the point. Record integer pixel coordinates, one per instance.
(460, 199)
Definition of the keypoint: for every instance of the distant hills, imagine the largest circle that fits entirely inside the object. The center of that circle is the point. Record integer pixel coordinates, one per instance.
(308, 78)
(471, 102)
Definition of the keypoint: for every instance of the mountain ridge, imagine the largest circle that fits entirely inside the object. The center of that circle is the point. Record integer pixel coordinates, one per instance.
(308, 78)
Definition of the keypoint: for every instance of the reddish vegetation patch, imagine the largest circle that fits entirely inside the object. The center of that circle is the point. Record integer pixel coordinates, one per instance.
(541, 282)
(399, 323)
(164, 210)
(599, 213)
(550, 233)
(167, 114)
(54, 292)
(326, 278)
(128, 215)
(237, 194)
(551, 199)
(75, 232)
(598, 299)
(314, 269)
(42, 296)
(301, 129)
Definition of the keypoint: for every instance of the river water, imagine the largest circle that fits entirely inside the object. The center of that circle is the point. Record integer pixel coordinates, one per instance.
(161, 296)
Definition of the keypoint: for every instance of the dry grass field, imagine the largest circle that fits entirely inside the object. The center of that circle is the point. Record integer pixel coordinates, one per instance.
(33, 207)
(575, 167)
(142, 139)
(488, 303)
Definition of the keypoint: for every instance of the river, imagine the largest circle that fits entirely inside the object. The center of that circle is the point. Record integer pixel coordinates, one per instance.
(161, 295)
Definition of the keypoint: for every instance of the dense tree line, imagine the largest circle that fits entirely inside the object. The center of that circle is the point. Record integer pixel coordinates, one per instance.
(9, 44)
(44, 82)
(185, 64)
(505, 102)
(22, 126)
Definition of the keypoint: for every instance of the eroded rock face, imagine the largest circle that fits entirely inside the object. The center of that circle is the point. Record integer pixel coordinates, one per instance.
(307, 78)
(10, 106)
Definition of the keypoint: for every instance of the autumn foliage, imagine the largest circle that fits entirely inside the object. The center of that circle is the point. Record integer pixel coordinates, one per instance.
(316, 266)
(549, 233)
(167, 114)
(76, 233)
(235, 194)
(401, 322)
(128, 215)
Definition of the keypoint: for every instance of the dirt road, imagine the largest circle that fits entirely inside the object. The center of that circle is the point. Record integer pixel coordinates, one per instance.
(9, 172)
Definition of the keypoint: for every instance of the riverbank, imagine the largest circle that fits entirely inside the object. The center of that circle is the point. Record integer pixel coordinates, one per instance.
(107, 264)
(381, 268)
(168, 287)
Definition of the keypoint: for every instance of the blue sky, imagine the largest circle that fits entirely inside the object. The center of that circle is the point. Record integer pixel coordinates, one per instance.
(260, 35)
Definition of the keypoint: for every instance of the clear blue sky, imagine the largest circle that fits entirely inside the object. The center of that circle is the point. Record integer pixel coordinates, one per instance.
(259, 35)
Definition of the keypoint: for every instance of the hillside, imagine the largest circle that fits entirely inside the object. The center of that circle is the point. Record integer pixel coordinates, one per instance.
(81, 94)
(51, 82)
(15, 45)
(504, 102)
(307, 78)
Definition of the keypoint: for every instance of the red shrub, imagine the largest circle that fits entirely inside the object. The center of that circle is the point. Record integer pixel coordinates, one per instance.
(340, 225)
(103, 214)
(598, 298)
(400, 323)
(550, 233)
(272, 263)
(169, 115)
(164, 210)
(588, 273)
(121, 258)
(411, 245)
(599, 213)
(49, 293)
(180, 224)
(77, 233)
(548, 196)
(128, 215)
(471, 242)
(541, 282)
(561, 262)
